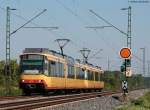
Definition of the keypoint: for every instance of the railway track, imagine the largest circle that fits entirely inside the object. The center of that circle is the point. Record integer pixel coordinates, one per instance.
(7, 98)
(33, 103)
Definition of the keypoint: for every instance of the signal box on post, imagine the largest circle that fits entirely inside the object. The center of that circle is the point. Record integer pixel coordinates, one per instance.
(125, 53)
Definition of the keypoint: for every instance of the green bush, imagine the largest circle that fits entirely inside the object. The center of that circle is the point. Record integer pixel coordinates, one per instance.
(14, 91)
(113, 80)
(12, 79)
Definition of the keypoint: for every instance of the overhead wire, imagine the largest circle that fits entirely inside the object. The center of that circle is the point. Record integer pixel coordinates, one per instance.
(83, 21)
(46, 29)
(108, 22)
(28, 21)
(69, 10)
(136, 57)
(75, 14)
(23, 18)
(106, 42)
(62, 27)
(72, 12)
(111, 46)
(92, 56)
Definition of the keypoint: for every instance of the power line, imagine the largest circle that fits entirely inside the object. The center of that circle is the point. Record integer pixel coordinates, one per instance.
(129, 26)
(43, 27)
(107, 22)
(47, 29)
(106, 42)
(23, 18)
(136, 57)
(97, 27)
(28, 22)
(72, 12)
(109, 25)
(8, 35)
(92, 56)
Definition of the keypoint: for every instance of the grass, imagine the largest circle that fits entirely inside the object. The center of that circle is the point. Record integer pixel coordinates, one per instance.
(142, 103)
(14, 91)
(133, 108)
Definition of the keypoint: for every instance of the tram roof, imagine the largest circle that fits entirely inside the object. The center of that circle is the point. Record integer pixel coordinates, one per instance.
(57, 54)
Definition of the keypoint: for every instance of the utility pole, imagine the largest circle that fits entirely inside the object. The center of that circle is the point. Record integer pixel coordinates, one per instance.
(108, 64)
(7, 64)
(143, 50)
(129, 26)
(128, 60)
(128, 35)
(148, 72)
(8, 35)
(8, 69)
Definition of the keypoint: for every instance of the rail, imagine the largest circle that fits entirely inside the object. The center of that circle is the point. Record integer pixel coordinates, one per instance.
(33, 103)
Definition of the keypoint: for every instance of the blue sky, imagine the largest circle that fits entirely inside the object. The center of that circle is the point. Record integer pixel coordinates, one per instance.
(72, 16)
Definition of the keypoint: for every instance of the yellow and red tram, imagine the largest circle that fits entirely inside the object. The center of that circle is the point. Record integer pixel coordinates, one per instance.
(45, 70)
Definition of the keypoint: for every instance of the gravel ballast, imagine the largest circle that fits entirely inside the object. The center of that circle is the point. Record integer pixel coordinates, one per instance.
(99, 103)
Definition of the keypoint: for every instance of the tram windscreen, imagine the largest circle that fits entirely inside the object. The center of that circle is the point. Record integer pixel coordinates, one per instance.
(32, 64)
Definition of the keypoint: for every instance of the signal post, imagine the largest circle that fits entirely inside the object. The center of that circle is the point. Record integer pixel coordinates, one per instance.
(125, 54)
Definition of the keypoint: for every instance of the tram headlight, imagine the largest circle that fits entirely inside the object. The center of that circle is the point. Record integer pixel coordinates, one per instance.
(40, 81)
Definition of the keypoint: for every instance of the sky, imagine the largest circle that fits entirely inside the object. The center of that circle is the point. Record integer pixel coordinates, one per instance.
(72, 17)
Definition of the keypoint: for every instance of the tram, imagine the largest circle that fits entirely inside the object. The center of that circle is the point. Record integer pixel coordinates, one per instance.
(43, 70)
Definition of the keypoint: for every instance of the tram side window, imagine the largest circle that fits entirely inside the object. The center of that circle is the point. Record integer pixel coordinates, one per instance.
(56, 69)
(80, 74)
(52, 68)
(96, 76)
(46, 68)
(99, 78)
(90, 75)
(77, 72)
(61, 70)
(70, 71)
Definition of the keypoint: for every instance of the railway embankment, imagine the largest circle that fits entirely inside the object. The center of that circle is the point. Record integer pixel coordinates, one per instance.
(139, 100)
(110, 102)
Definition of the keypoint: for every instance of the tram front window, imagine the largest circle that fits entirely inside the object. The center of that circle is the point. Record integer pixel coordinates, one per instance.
(32, 64)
